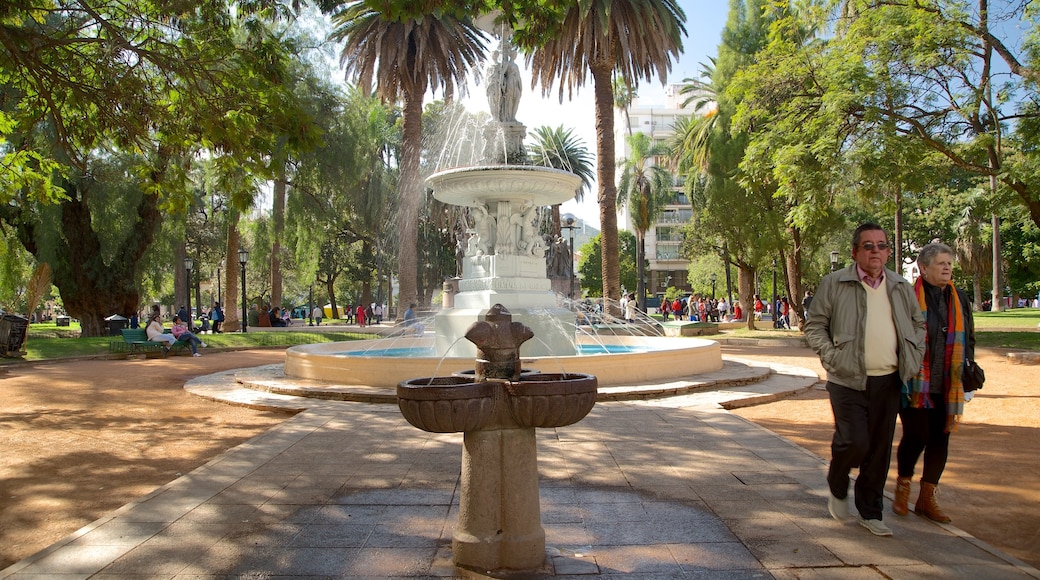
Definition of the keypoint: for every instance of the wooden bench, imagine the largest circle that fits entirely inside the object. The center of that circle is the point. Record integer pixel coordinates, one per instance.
(137, 341)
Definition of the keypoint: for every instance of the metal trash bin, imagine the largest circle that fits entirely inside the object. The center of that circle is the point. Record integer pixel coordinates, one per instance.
(116, 323)
(13, 331)
(62, 320)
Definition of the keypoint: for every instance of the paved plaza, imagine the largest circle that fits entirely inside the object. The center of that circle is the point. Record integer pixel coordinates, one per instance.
(674, 487)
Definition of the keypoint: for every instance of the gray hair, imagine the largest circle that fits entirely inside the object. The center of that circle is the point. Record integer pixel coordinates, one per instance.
(929, 252)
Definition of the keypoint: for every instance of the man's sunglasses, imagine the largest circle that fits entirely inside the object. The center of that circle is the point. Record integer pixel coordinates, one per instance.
(869, 246)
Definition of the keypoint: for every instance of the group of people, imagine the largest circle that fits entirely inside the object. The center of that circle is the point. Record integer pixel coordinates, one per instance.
(891, 348)
(179, 332)
(700, 309)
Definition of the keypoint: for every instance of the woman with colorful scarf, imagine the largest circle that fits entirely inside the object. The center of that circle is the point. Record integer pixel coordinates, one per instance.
(933, 400)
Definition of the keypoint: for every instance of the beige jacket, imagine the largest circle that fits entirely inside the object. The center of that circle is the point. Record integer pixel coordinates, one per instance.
(837, 325)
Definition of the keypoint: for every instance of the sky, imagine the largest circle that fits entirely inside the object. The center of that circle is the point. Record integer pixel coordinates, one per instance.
(704, 22)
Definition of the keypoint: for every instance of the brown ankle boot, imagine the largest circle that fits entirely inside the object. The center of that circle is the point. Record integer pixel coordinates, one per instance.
(926, 505)
(899, 505)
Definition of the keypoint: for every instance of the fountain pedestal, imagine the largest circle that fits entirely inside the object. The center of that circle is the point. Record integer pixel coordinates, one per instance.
(500, 523)
(498, 410)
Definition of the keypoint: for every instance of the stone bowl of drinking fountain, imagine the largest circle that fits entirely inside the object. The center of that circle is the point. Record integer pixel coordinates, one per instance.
(446, 404)
(497, 408)
(498, 393)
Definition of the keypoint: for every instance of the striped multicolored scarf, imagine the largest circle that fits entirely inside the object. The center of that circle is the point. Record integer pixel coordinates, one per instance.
(917, 392)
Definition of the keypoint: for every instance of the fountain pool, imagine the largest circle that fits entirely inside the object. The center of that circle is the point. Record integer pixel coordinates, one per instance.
(615, 360)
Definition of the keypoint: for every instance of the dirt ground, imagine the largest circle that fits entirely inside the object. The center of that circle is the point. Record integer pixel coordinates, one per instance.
(79, 439)
(990, 486)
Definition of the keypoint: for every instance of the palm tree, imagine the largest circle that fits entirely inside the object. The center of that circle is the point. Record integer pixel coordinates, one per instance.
(560, 149)
(624, 95)
(644, 188)
(693, 134)
(634, 39)
(412, 54)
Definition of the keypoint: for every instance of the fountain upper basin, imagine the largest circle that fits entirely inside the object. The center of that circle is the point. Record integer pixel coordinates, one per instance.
(473, 186)
(650, 359)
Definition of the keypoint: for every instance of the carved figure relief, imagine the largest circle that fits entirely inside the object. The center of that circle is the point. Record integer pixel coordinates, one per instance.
(484, 230)
(531, 242)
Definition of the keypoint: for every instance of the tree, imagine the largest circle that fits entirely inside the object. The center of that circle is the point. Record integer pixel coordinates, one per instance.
(731, 207)
(592, 259)
(644, 188)
(404, 56)
(632, 39)
(930, 69)
(560, 149)
(122, 97)
(345, 191)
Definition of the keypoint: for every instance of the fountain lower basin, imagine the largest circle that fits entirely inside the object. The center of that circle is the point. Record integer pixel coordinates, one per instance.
(647, 359)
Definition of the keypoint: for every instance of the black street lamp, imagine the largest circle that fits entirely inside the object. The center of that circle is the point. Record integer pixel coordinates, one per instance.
(243, 257)
(713, 279)
(219, 299)
(310, 307)
(188, 265)
(569, 222)
(834, 261)
(774, 293)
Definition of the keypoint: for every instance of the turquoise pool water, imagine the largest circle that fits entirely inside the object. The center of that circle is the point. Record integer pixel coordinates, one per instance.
(419, 351)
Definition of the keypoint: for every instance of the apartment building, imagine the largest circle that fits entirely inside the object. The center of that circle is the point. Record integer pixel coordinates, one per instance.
(664, 240)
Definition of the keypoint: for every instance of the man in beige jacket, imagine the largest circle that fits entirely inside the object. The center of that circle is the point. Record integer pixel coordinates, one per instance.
(866, 325)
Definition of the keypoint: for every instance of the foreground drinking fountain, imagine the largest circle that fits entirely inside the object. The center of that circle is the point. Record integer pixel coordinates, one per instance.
(497, 410)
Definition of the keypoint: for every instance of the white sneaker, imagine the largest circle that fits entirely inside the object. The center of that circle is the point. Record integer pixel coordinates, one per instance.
(876, 527)
(839, 508)
(203, 345)
(197, 354)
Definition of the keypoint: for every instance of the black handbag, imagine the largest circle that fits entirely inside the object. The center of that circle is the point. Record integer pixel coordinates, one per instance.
(972, 376)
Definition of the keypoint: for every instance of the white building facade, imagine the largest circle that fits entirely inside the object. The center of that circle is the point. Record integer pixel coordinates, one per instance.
(664, 240)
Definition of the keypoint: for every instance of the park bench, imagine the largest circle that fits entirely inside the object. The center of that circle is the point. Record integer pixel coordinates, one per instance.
(137, 341)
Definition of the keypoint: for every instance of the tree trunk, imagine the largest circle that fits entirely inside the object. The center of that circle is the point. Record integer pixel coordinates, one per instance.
(233, 274)
(409, 199)
(330, 287)
(278, 219)
(746, 291)
(794, 273)
(899, 233)
(91, 288)
(641, 272)
(998, 302)
(607, 195)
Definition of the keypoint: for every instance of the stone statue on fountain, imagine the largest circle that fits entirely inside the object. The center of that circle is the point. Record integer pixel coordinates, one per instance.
(505, 137)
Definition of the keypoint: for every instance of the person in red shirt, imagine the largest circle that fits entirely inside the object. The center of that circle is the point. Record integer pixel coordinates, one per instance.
(360, 312)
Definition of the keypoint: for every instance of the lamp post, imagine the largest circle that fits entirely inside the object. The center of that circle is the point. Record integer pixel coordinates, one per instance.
(569, 222)
(243, 256)
(188, 265)
(219, 299)
(834, 261)
(775, 313)
(714, 277)
(310, 307)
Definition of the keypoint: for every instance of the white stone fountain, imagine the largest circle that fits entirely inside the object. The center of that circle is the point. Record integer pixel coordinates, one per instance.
(504, 259)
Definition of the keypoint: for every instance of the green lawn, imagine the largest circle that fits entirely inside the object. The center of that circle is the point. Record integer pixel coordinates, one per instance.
(47, 341)
(1018, 318)
(1017, 328)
